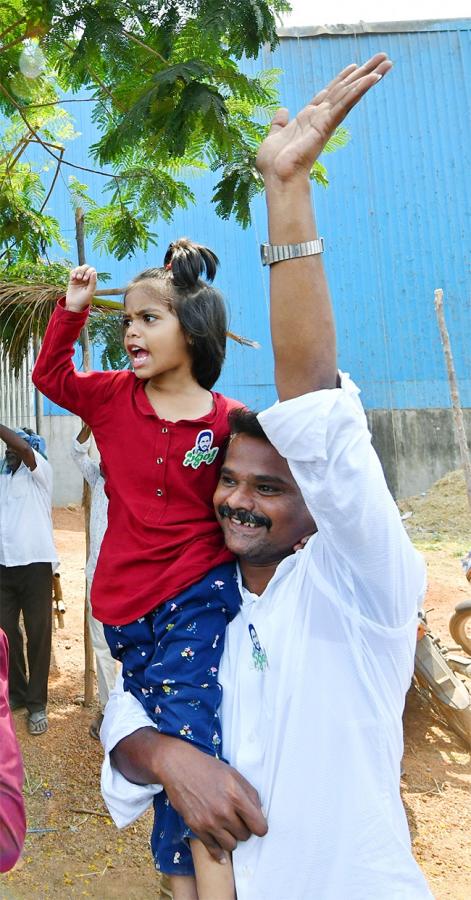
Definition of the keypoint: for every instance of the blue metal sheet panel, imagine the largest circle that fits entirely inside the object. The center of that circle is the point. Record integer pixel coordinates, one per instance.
(396, 219)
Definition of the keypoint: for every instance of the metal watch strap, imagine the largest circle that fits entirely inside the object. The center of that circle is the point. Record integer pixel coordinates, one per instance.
(272, 253)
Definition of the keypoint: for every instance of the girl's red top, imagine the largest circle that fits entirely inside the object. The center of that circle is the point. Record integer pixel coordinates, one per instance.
(162, 534)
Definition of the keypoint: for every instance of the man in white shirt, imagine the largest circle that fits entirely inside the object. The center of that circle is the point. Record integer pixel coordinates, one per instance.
(27, 559)
(317, 663)
(105, 664)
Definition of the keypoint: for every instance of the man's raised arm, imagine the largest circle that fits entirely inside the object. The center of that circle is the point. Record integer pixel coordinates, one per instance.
(16, 443)
(302, 324)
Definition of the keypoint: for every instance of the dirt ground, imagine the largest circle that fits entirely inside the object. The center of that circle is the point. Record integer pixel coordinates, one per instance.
(72, 847)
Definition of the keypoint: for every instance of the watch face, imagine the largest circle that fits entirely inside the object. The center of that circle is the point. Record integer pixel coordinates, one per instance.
(264, 252)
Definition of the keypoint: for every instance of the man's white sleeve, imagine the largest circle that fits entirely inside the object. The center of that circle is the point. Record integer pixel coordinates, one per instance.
(42, 474)
(324, 436)
(123, 715)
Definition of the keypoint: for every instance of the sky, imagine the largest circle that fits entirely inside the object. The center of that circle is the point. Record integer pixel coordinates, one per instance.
(347, 12)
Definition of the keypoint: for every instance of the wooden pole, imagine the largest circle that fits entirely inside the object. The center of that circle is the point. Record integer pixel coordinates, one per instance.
(88, 691)
(38, 397)
(458, 419)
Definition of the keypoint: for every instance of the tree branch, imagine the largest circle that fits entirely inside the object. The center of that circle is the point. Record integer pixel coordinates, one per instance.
(13, 150)
(60, 159)
(58, 102)
(11, 27)
(144, 46)
(95, 77)
(56, 173)
(13, 43)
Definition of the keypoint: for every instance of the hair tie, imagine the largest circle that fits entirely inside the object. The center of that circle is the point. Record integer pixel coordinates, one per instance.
(169, 265)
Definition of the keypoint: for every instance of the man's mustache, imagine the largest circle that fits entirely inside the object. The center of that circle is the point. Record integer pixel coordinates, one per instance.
(244, 516)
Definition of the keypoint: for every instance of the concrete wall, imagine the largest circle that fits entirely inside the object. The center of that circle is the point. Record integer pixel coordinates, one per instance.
(416, 447)
(59, 431)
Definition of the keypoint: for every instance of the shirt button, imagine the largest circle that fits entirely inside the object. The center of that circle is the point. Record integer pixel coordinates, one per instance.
(159, 460)
(164, 430)
(159, 492)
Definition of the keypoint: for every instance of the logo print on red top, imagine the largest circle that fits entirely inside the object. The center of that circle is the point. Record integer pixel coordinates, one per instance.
(203, 451)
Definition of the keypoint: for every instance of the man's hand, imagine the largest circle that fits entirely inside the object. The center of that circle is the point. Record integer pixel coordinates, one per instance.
(81, 288)
(84, 433)
(215, 801)
(301, 317)
(292, 147)
(300, 545)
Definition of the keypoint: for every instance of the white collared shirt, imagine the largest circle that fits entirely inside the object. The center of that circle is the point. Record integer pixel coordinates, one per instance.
(26, 534)
(314, 675)
(98, 504)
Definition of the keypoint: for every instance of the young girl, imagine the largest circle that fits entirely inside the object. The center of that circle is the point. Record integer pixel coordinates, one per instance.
(165, 584)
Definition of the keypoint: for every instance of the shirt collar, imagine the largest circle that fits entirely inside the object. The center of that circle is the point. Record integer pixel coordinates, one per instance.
(283, 568)
(144, 405)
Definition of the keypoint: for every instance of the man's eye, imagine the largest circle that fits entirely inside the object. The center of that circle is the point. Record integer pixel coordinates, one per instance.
(226, 480)
(266, 489)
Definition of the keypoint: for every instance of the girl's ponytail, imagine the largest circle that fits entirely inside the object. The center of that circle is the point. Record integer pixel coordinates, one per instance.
(188, 261)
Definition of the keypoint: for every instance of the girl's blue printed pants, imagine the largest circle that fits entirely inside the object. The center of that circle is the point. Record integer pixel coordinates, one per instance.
(170, 661)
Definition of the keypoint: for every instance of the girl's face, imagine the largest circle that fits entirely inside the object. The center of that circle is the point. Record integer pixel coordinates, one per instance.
(153, 338)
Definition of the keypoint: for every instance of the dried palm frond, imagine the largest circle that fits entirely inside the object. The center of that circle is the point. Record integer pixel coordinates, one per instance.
(25, 310)
(246, 342)
(24, 313)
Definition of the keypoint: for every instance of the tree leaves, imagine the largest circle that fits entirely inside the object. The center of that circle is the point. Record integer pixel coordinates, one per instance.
(168, 97)
(107, 330)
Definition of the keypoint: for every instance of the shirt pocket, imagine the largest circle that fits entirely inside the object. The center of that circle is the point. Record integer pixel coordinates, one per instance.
(18, 488)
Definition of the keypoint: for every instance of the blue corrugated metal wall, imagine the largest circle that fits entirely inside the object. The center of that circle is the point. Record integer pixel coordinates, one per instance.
(396, 220)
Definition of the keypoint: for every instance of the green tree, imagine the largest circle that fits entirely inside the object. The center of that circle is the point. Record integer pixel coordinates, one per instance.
(169, 98)
(167, 95)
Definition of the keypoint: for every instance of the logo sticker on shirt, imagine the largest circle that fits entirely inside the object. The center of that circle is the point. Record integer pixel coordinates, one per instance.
(260, 659)
(203, 451)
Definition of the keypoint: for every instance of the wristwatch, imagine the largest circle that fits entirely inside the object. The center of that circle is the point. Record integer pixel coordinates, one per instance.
(272, 253)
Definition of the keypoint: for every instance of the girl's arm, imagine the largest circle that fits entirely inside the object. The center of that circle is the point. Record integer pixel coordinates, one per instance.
(54, 373)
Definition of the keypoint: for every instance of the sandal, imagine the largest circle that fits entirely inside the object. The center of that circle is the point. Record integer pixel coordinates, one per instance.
(37, 722)
(94, 730)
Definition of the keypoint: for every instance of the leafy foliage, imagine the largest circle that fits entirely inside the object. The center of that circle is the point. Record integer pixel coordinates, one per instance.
(167, 96)
(26, 177)
(107, 330)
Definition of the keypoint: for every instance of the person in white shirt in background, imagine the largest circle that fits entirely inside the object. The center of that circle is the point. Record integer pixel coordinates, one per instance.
(105, 664)
(28, 558)
(317, 663)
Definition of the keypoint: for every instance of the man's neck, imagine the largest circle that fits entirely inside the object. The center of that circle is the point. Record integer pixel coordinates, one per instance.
(256, 577)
